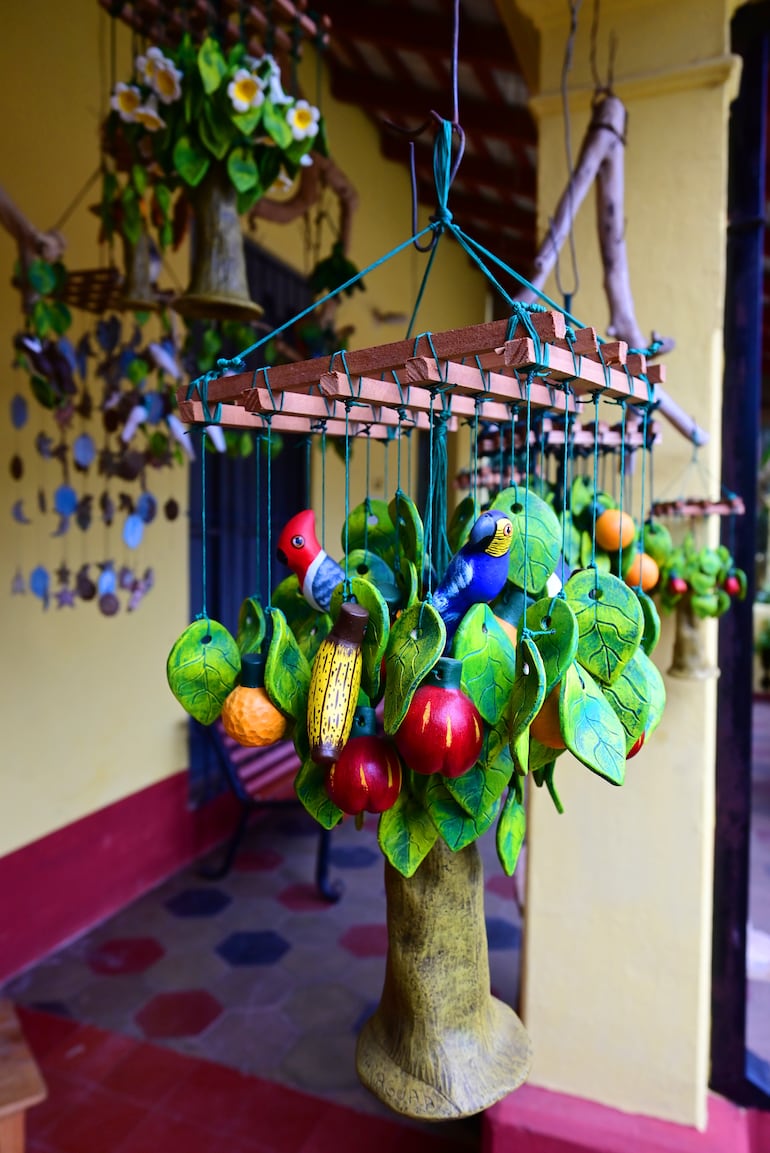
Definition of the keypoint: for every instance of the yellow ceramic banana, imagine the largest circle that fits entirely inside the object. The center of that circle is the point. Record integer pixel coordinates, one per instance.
(334, 684)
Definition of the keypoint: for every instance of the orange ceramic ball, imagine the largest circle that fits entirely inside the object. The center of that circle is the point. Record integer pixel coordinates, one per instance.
(546, 727)
(614, 530)
(642, 573)
(251, 718)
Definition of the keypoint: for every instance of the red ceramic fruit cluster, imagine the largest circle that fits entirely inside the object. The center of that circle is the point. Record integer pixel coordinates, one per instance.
(366, 778)
(442, 731)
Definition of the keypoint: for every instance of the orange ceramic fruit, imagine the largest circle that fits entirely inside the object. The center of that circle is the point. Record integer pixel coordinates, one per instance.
(546, 727)
(251, 718)
(614, 530)
(642, 573)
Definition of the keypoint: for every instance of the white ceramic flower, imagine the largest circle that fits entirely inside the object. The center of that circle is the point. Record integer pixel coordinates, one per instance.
(245, 90)
(161, 74)
(125, 100)
(146, 66)
(303, 120)
(147, 114)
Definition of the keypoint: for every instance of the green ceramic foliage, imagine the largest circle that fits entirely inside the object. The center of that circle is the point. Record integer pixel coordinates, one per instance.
(590, 555)
(555, 633)
(581, 495)
(541, 755)
(310, 631)
(489, 662)
(416, 641)
(287, 672)
(590, 728)
(202, 669)
(570, 537)
(370, 566)
(656, 693)
(610, 622)
(310, 787)
(287, 596)
(651, 633)
(409, 533)
(251, 626)
(545, 776)
(456, 826)
(377, 631)
(406, 834)
(536, 521)
(461, 522)
(486, 782)
(511, 829)
(370, 529)
(628, 695)
(528, 692)
(408, 583)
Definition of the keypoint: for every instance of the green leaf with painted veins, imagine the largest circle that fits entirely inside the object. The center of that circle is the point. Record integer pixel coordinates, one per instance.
(629, 697)
(651, 634)
(511, 829)
(462, 521)
(310, 631)
(211, 65)
(555, 633)
(535, 522)
(408, 583)
(456, 826)
(310, 787)
(489, 662)
(610, 622)
(591, 731)
(202, 669)
(251, 626)
(528, 691)
(485, 783)
(416, 641)
(406, 834)
(287, 673)
(369, 526)
(377, 631)
(656, 693)
(409, 529)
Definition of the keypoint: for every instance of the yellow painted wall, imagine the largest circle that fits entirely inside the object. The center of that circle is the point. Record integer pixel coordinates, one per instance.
(88, 717)
(619, 896)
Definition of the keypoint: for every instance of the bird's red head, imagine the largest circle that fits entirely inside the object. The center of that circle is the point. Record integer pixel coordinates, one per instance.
(298, 545)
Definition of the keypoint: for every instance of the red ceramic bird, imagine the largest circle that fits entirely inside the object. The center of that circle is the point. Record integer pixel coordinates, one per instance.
(317, 573)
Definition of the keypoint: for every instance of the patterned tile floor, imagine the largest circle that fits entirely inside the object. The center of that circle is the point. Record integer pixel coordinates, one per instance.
(255, 971)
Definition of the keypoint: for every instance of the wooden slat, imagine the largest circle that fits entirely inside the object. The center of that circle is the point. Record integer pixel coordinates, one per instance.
(234, 416)
(471, 381)
(420, 400)
(583, 374)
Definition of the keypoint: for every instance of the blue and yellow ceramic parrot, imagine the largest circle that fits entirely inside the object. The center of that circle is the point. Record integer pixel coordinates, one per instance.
(477, 572)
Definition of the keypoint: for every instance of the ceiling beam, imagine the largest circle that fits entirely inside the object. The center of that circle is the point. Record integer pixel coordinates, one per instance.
(518, 179)
(512, 123)
(427, 35)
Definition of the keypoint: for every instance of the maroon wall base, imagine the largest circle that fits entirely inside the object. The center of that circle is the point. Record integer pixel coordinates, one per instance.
(61, 885)
(535, 1120)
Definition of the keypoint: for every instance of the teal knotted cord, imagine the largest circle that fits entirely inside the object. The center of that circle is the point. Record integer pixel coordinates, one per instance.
(308, 460)
(323, 484)
(640, 535)
(346, 588)
(525, 630)
(367, 499)
(204, 613)
(269, 441)
(513, 410)
(596, 481)
(566, 499)
(623, 407)
(474, 461)
(385, 466)
(258, 498)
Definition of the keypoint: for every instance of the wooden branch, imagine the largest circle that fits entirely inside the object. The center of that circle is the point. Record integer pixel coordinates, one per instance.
(322, 172)
(30, 241)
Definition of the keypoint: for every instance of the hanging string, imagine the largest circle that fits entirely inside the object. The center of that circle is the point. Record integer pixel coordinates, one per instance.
(623, 407)
(640, 535)
(204, 613)
(566, 483)
(346, 588)
(308, 461)
(367, 499)
(530, 374)
(596, 481)
(323, 484)
(258, 498)
(574, 9)
(474, 461)
(385, 467)
(269, 421)
(512, 410)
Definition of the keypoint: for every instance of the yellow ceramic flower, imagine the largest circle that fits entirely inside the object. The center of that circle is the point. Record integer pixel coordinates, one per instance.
(147, 115)
(146, 66)
(125, 100)
(303, 120)
(166, 82)
(245, 90)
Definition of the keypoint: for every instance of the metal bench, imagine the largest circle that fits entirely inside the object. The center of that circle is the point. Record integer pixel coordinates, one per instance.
(262, 778)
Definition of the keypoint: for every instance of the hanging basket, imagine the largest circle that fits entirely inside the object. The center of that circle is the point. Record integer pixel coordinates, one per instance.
(439, 1045)
(218, 286)
(689, 661)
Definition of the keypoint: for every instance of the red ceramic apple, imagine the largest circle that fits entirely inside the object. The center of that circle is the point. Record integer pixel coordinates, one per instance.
(366, 778)
(732, 585)
(442, 730)
(677, 585)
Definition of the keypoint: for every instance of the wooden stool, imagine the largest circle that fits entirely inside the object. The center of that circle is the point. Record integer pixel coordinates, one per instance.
(21, 1084)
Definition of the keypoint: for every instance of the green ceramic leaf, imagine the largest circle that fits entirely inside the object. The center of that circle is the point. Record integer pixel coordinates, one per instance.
(610, 622)
(408, 583)
(251, 626)
(511, 829)
(511, 603)
(214, 131)
(310, 787)
(486, 782)
(370, 528)
(462, 521)
(651, 634)
(406, 834)
(417, 640)
(242, 169)
(276, 125)
(202, 669)
(544, 776)
(705, 606)
(591, 731)
(629, 697)
(211, 65)
(541, 755)
(589, 555)
(190, 162)
(527, 696)
(310, 631)
(377, 631)
(656, 693)
(287, 673)
(532, 518)
(369, 566)
(554, 630)
(287, 597)
(489, 662)
(571, 539)
(456, 826)
(581, 495)
(408, 527)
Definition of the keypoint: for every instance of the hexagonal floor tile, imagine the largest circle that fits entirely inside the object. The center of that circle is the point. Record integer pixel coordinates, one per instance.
(353, 856)
(366, 940)
(183, 1014)
(263, 948)
(125, 955)
(303, 898)
(198, 903)
(257, 861)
